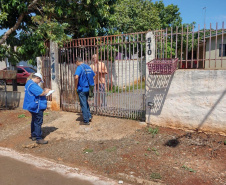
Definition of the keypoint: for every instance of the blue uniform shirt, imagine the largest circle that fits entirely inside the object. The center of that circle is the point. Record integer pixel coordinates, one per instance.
(32, 101)
(84, 73)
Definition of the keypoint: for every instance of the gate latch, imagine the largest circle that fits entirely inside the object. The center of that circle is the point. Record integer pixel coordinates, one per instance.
(151, 105)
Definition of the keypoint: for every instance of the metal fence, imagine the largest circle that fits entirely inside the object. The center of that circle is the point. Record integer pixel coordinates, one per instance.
(123, 56)
(201, 49)
(46, 69)
(8, 99)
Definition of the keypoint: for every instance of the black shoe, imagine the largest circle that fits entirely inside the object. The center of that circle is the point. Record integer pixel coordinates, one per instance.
(41, 141)
(32, 138)
(83, 123)
(90, 119)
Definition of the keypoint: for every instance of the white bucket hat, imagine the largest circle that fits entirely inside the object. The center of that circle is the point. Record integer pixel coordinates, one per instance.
(40, 76)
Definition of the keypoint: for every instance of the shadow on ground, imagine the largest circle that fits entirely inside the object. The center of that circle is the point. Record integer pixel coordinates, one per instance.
(47, 130)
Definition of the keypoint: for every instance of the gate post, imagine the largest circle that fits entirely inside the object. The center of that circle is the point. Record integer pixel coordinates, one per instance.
(150, 55)
(39, 64)
(39, 67)
(55, 80)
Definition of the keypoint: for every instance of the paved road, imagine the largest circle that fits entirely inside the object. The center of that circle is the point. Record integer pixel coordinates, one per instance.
(14, 172)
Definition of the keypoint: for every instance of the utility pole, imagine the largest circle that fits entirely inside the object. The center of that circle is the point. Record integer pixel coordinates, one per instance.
(204, 16)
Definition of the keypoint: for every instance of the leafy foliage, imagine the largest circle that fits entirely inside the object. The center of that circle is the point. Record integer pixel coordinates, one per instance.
(142, 15)
(33, 22)
(133, 16)
(169, 15)
(30, 23)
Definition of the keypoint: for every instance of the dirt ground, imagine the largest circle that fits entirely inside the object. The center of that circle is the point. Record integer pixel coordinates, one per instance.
(121, 149)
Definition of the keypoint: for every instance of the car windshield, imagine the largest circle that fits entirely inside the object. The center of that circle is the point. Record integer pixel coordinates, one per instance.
(30, 70)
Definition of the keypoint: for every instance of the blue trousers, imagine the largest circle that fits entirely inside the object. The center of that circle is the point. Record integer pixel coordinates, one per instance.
(83, 98)
(36, 124)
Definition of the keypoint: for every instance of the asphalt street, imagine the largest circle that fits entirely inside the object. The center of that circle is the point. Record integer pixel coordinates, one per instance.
(14, 172)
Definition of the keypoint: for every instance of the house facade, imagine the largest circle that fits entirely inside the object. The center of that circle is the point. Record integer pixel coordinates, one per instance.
(3, 64)
(215, 54)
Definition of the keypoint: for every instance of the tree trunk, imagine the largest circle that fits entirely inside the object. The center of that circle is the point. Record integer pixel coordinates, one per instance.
(14, 28)
(14, 81)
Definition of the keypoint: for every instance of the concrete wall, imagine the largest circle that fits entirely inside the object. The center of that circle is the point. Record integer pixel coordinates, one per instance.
(126, 72)
(55, 74)
(122, 72)
(189, 99)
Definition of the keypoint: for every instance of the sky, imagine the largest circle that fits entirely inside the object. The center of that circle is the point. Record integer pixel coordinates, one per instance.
(199, 11)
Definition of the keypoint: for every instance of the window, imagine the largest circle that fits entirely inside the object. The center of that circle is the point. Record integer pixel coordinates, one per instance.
(224, 50)
(20, 70)
(30, 70)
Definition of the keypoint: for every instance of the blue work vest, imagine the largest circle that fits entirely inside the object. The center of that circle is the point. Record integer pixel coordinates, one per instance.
(85, 79)
(32, 101)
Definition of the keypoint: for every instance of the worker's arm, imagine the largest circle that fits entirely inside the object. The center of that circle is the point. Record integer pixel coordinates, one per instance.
(45, 91)
(76, 82)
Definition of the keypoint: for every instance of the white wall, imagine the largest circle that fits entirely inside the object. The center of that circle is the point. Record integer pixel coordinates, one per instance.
(2, 64)
(122, 72)
(126, 72)
(189, 99)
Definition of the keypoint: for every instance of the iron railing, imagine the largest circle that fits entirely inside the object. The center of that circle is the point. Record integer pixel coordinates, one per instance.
(201, 49)
(124, 58)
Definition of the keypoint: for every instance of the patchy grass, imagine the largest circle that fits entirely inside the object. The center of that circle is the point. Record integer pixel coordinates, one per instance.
(111, 149)
(188, 169)
(155, 150)
(88, 150)
(21, 116)
(155, 176)
(136, 85)
(153, 131)
(46, 113)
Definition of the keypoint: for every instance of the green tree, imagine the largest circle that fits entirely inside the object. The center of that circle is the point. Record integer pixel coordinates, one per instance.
(33, 22)
(133, 16)
(142, 15)
(88, 18)
(169, 15)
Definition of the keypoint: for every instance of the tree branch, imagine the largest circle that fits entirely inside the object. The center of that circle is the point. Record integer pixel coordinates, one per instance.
(30, 6)
(6, 35)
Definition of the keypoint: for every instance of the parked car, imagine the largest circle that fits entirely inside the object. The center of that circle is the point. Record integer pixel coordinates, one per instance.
(23, 72)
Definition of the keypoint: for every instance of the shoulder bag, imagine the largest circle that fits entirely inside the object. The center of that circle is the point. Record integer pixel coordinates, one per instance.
(91, 87)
